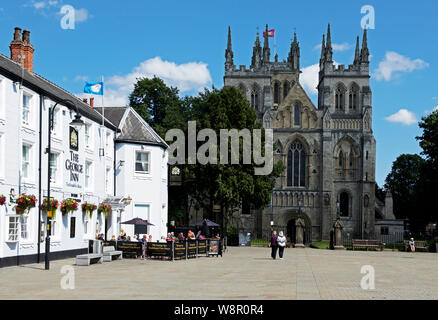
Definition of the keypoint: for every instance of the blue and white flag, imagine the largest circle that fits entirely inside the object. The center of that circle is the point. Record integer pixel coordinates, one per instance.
(94, 88)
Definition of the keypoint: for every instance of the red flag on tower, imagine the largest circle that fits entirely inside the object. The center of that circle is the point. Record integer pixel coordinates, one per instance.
(270, 33)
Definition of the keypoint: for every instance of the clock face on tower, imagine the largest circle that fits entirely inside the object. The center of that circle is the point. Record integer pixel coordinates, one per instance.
(74, 139)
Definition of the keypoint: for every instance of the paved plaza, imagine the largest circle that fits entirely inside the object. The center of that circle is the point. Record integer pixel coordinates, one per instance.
(242, 273)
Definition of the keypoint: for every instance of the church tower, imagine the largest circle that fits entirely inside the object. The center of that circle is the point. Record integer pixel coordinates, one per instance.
(348, 145)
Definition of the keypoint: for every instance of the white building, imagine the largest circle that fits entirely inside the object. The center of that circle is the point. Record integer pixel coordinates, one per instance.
(123, 163)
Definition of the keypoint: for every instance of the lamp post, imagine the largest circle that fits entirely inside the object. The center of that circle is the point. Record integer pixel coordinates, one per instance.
(77, 122)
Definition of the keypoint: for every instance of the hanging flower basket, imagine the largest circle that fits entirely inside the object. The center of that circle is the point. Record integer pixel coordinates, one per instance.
(68, 205)
(50, 209)
(25, 203)
(88, 207)
(2, 200)
(105, 208)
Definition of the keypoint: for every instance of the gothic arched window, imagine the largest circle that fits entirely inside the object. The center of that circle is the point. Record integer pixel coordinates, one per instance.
(344, 204)
(341, 159)
(255, 100)
(354, 96)
(340, 97)
(297, 114)
(285, 89)
(276, 92)
(296, 165)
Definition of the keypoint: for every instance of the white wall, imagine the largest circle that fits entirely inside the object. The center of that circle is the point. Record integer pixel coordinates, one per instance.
(144, 188)
(13, 133)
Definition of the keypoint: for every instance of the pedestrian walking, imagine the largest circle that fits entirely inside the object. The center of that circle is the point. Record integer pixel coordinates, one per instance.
(281, 241)
(412, 244)
(273, 244)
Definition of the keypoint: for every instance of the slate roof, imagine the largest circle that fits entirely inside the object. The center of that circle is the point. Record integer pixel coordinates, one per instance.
(39, 84)
(132, 127)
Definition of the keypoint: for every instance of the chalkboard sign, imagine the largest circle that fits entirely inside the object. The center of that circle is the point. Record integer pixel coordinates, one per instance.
(213, 247)
(130, 248)
(159, 249)
(202, 246)
(179, 250)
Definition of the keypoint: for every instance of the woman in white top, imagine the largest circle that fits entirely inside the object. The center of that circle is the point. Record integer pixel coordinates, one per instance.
(281, 241)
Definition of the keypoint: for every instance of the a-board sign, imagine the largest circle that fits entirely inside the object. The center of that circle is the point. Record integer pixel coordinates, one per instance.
(159, 249)
(213, 248)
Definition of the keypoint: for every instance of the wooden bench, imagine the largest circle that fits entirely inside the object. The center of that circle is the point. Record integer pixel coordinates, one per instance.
(362, 243)
(110, 254)
(89, 258)
(418, 245)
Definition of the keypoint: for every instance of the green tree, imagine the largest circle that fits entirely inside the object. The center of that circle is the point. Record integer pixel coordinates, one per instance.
(428, 183)
(403, 182)
(233, 184)
(153, 100)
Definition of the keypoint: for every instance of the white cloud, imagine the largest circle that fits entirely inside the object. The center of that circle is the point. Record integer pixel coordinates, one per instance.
(309, 78)
(337, 46)
(42, 4)
(81, 15)
(403, 116)
(394, 63)
(186, 77)
(81, 78)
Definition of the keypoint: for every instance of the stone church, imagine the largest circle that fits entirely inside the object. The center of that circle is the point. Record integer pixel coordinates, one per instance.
(328, 149)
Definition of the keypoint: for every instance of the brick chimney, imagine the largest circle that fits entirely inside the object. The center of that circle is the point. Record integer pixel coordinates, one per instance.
(92, 102)
(21, 49)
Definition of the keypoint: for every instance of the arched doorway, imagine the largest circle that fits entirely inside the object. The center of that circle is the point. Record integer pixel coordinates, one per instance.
(291, 231)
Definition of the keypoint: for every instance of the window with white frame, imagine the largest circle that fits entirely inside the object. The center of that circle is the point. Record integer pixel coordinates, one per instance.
(26, 111)
(25, 161)
(87, 224)
(24, 227)
(88, 175)
(54, 226)
(142, 161)
(13, 228)
(88, 138)
(108, 180)
(54, 172)
(107, 143)
(57, 122)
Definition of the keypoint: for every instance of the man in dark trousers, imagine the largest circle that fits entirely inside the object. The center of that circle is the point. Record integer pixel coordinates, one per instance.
(274, 245)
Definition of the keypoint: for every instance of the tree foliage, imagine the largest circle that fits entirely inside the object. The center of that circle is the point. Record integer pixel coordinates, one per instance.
(403, 181)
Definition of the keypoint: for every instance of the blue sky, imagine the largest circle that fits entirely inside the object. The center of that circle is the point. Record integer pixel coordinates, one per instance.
(184, 42)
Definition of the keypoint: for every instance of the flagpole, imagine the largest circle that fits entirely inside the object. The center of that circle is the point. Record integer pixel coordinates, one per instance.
(103, 148)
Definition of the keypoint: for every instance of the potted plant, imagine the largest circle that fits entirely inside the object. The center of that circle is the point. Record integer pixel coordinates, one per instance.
(25, 203)
(68, 205)
(88, 207)
(105, 208)
(50, 208)
(2, 200)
